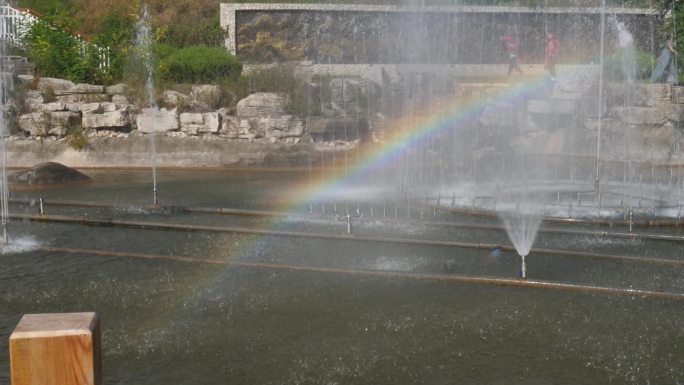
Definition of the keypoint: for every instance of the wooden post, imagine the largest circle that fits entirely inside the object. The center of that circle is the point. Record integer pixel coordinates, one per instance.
(56, 349)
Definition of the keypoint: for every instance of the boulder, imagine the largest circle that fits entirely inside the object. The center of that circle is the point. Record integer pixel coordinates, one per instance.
(152, 120)
(43, 175)
(262, 104)
(48, 123)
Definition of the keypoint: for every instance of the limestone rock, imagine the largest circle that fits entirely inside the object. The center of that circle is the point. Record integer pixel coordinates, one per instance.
(173, 99)
(152, 120)
(196, 122)
(48, 123)
(205, 96)
(677, 113)
(262, 104)
(678, 94)
(82, 98)
(116, 89)
(54, 84)
(33, 99)
(552, 106)
(500, 114)
(642, 115)
(45, 175)
(230, 127)
(120, 99)
(281, 126)
(576, 84)
(639, 94)
(81, 89)
(54, 106)
(106, 115)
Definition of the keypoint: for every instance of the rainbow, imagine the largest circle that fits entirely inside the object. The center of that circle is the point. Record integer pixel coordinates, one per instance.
(439, 117)
(409, 132)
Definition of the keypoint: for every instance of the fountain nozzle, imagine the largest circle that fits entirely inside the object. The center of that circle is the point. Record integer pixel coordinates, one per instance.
(523, 268)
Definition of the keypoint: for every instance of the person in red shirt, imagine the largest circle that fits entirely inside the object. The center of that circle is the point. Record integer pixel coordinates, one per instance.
(552, 47)
(510, 44)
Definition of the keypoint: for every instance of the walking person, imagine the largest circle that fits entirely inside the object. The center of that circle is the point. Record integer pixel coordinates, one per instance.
(666, 67)
(552, 48)
(511, 46)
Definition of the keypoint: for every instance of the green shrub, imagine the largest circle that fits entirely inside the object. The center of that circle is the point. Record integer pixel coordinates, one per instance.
(198, 64)
(76, 137)
(613, 66)
(58, 53)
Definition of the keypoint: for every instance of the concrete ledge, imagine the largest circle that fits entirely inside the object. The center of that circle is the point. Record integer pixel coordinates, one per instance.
(134, 152)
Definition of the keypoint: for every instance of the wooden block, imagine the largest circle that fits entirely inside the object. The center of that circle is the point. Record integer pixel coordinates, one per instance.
(56, 349)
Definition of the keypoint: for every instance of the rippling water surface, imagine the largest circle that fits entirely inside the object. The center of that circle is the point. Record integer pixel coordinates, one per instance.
(167, 321)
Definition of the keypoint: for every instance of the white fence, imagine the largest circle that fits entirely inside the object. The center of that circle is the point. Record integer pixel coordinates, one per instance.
(15, 24)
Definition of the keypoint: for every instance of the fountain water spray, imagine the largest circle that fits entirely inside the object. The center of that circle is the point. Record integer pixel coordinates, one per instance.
(143, 41)
(4, 185)
(522, 222)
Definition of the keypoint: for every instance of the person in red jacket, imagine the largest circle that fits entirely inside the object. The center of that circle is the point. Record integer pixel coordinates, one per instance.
(510, 44)
(552, 47)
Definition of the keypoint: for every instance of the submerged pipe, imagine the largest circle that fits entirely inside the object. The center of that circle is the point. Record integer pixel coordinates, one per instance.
(264, 213)
(406, 241)
(457, 279)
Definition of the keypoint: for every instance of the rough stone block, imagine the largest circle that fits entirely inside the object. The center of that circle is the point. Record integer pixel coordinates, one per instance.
(152, 120)
(262, 104)
(642, 115)
(82, 89)
(498, 115)
(54, 84)
(83, 98)
(48, 122)
(205, 96)
(677, 113)
(98, 119)
(552, 107)
(116, 89)
(678, 94)
(54, 106)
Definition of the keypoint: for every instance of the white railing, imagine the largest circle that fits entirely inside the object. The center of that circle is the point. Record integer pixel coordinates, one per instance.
(15, 24)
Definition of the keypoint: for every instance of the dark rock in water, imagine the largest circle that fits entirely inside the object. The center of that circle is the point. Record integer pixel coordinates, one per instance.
(48, 174)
